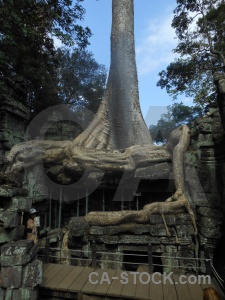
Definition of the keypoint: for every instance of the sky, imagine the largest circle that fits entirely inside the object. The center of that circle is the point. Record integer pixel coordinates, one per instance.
(154, 41)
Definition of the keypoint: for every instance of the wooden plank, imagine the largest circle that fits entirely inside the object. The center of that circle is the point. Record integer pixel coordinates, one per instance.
(80, 281)
(116, 286)
(195, 290)
(129, 287)
(142, 290)
(69, 279)
(169, 291)
(206, 284)
(89, 287)
(155, 289)
(102, 289)
(47, 267)
(181, 289)
(51, 274)
(56, 280)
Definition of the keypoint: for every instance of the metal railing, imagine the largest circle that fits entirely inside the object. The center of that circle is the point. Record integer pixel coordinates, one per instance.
(93, 258)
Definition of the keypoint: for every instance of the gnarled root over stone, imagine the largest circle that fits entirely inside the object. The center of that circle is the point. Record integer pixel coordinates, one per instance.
(141, 216)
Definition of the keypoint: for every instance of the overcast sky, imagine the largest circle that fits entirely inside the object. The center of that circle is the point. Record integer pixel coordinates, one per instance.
(154, 39)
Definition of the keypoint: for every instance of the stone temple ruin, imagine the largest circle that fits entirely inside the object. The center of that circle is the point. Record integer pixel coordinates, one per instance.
(65, 196)
(122, 246)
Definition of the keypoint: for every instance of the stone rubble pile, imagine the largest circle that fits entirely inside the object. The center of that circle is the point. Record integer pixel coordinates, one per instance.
(20, 273)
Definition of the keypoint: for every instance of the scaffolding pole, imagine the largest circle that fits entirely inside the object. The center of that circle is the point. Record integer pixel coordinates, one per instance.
(60, 207)
(103, 201)
(86, 206)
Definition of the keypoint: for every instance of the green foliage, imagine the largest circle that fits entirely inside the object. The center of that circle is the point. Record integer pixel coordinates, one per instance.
(199, 27)
(27, 29)
(177, 114)
(159, 137)
(81, 79)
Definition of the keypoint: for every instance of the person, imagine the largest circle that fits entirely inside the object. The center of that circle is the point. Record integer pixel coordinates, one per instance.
(31, 228)
(211, 294)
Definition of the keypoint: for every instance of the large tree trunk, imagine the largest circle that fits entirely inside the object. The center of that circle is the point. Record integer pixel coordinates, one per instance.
(119, 122)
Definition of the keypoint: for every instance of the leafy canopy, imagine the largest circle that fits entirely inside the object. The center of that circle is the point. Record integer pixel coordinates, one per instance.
(81, 79)
(27, 32)
(199, 26)
(177, 114)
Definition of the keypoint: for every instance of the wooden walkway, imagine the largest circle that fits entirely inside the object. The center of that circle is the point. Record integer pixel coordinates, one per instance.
(69, 282)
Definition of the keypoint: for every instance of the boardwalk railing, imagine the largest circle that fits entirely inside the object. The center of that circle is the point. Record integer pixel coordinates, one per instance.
(93, 258)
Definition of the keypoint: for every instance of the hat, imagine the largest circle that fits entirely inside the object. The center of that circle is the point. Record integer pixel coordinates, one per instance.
(32, 211)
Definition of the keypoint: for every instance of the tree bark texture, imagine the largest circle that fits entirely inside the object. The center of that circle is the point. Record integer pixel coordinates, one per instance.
(119, 122)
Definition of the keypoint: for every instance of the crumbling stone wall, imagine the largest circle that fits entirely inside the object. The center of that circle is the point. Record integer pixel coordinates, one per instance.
(112, 241)
(14, 115)
(205, 176)
(13, 203)
(204, 168)
(205, 179)
(20, 272)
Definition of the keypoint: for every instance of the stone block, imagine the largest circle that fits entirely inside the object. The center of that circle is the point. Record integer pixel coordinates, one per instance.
(158, 171)
(9, 294)
(11, 277)
(209, 232)
(168, 240)
(211, 186)
(107, 239)
(78, 226)
(183, 218)
(17, 253)
(169, 250)
(189, 248)
(20, 204)
(204, 138)
(190, 158)
(25, 294)
(14, 107)
(126, 239)
(209, 222)
(186, 241)
(9, 192)
(170, 219)
(184, 230)
(207, 200)
(4, 236)
(153, 231)
(9, 219)
(2, 294)
(112, 230)
(210, 212)
(32, 274)
(55, 235)
(194, 185)
(206, 128)
(162, 230)
(17, 233)
(134, 239)
(157, 219)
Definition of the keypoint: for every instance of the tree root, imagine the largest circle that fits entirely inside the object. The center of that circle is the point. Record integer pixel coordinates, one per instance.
(142, 216)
